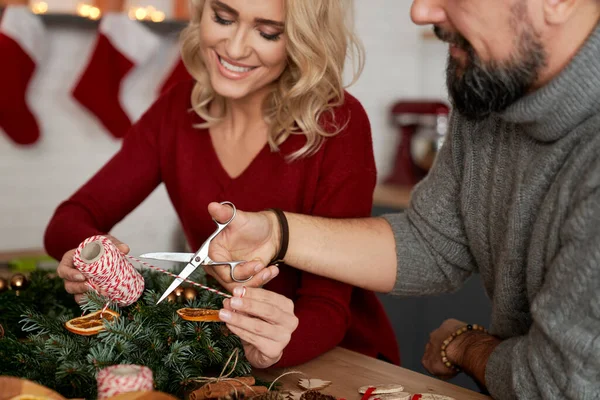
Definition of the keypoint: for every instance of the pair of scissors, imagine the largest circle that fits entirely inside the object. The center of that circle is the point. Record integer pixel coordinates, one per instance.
(194, 260)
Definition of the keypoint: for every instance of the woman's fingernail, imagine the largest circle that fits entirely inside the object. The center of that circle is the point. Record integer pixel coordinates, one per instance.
(266, 275)
(239, 291)
(258, 267)
(79, 277)
(235, 302)
(224, 315)
(275, 273)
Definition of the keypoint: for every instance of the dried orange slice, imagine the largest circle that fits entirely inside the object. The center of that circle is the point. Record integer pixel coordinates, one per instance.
(199, 314)
(90, 324)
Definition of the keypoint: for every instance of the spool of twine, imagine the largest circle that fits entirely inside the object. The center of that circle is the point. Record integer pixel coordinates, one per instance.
(123, 378)
(108, 271)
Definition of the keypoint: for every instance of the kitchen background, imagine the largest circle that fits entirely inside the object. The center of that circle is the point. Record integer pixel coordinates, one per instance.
(404, 63)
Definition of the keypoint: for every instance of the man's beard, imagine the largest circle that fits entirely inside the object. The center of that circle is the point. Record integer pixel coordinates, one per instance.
(478, 89)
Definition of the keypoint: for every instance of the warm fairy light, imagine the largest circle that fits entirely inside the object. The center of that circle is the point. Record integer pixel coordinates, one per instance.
(95, 13)
(83, 9)
(39, 7)
(88, 11)
(157, 16)
(146, 13)
(141, 13)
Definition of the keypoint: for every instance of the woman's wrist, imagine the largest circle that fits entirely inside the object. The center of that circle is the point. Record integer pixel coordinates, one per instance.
(279, 235)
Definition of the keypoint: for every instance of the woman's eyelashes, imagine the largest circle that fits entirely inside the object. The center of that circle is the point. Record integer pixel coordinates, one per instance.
(268, 36)
(271, 37)
(219, 20)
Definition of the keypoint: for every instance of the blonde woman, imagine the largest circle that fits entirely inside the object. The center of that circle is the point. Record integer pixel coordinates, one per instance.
(264, 123)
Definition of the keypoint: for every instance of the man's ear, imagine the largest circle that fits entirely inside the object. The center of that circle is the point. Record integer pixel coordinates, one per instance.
(556, 12)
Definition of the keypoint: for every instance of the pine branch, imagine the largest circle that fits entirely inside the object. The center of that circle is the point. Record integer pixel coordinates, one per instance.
(93, 302)
(178, 354)
(103, 355)
(76, 379)
(148, 334)
(183, 377)
(35, 322)
(64, 345)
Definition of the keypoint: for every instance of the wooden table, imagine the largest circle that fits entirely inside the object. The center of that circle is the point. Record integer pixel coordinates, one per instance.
(349, 370)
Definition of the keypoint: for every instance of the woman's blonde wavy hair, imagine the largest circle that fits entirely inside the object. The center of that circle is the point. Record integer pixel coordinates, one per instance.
(320, 37)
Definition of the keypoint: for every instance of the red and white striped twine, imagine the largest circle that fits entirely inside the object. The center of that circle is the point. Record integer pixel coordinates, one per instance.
(175, 276)
(123, 378)
(110, 272)
(107, 271)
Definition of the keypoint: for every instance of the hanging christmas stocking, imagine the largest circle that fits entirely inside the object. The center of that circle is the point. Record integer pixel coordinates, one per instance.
(121, 44)
(178, 74)
(21, 48)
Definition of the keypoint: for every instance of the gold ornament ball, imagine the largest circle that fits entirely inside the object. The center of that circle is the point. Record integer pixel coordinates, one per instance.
(19, 282)
(190, 293)
(3, 285)
(172, 298)
(178, 292)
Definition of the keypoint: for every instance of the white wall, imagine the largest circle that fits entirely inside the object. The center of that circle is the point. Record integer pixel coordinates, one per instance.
(400, 64)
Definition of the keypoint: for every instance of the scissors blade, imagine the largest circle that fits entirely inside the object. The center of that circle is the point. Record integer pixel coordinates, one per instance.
(187, 271)
(176, 257)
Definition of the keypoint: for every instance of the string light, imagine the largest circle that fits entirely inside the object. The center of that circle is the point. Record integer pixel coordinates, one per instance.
(40, 7)
(148, 13)
(158, 16)
(85, 10)
(88, 11)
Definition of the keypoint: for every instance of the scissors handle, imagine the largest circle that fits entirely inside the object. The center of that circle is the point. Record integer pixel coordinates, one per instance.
(232, 265)
(201, 257)
(223, 225)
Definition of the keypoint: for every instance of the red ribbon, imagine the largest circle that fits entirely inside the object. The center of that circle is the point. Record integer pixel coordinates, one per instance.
(368, 393)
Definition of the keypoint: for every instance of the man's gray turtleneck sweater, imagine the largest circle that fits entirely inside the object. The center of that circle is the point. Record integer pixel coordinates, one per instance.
(516, 198)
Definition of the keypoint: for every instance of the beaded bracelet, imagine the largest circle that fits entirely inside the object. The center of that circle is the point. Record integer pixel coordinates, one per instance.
(459, 332)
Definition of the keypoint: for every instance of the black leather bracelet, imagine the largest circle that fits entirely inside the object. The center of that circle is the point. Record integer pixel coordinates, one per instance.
(285, 236)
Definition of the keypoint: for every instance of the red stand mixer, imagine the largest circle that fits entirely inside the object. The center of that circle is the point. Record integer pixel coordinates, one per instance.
(422, 126)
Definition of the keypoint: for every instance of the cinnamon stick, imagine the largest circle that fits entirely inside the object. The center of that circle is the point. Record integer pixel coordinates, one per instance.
(221, 391)
(229, 383)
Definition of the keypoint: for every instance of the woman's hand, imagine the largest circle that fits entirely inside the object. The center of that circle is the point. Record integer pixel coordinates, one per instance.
(264, 320)
(75, 282)
(253, 237)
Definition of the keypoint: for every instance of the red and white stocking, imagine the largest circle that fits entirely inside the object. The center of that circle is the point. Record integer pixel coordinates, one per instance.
(21, 48)
(121, 45)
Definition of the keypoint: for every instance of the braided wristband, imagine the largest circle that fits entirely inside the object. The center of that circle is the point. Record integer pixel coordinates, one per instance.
(459, 332)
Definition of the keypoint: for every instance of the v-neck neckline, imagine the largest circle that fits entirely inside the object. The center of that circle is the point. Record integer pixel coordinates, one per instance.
(221, 169)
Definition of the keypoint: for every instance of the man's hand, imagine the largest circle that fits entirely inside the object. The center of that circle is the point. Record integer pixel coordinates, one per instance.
(253, 237)
(263, 320)
(432, 359)
(75, 282)
(469, 351)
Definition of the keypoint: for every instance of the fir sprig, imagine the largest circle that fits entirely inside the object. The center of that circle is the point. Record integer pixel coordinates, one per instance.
(147, 334)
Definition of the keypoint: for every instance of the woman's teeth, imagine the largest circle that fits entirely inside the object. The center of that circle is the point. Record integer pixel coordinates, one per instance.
(234, 68)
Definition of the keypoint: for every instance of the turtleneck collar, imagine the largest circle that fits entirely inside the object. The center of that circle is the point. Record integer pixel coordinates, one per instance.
(572, 96)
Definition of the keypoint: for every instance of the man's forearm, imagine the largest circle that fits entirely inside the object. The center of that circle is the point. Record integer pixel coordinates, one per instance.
(360, 252)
